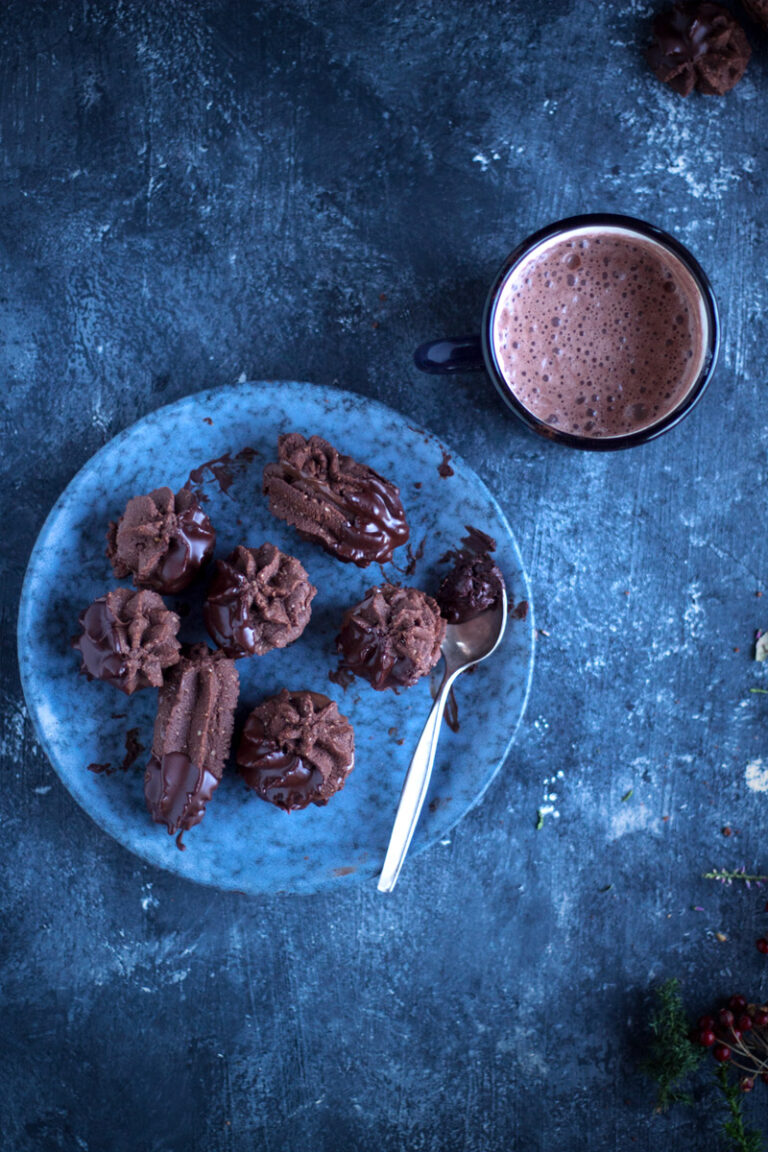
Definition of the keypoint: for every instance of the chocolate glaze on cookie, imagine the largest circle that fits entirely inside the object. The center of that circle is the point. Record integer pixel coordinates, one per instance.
(392, 637)
(128, 639)
(193, 732)
(296, 749)
(177, 791)
(335, 501)
(161, 540)
(259, 599)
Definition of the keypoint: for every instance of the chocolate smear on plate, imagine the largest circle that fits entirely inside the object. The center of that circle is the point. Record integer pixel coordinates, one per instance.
(223, 470)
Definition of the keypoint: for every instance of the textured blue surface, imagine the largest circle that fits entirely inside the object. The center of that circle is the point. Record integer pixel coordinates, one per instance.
(243, 843)
(197, 193)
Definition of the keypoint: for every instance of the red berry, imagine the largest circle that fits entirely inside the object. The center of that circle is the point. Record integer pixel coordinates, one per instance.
(706, 1023)
(706, 1038)
(762, 945)
(747, 1084)
(766, 907)
(760, 1019)
(721, 1053)
(737, 1003)
(764, 1077)
(725, 1017)
(744, 1023)
(735, 1035)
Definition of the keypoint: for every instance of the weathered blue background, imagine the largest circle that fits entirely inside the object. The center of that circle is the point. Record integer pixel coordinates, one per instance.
(195, 193)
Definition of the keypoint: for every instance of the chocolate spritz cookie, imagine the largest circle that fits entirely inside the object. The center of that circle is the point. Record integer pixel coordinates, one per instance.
(392, 637)
(193, 732)
(475, 583)
(758, 10)
(259, 599)
(296, 749)
(333, 500)
(161, 540)
(128, 639)
(698, 44)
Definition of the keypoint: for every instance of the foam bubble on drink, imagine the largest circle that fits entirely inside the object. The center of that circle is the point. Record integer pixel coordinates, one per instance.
(600, 332)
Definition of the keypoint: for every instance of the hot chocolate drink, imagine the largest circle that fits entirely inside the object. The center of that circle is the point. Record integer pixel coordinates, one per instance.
(600, 331)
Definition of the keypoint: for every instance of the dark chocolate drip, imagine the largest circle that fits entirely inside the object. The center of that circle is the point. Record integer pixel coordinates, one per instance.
(190, 548)
(375, 523)
(100, 646)
(477, 541)
(341, 676)
(451, 712)
(278, 776)
(226, 612)
(259, 599)
(222, 469)
(177, 791)
(368, 652)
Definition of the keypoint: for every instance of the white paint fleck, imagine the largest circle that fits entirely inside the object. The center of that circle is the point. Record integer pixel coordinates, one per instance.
(694, 613)
(631, 818)
(756, 774)
(12, 740)
(43, 790)
(148, 900)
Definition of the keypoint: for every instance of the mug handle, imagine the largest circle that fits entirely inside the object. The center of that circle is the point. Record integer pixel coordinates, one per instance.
(451, 354)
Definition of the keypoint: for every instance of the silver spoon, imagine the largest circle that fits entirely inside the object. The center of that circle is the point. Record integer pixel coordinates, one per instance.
(464, 645)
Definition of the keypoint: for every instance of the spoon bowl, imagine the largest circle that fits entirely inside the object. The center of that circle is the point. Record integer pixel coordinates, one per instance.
(474, 640)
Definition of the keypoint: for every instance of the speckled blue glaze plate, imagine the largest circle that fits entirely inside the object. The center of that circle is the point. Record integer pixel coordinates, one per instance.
(244, 844)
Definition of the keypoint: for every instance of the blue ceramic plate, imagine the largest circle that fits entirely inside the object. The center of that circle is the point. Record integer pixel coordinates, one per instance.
(244, 844)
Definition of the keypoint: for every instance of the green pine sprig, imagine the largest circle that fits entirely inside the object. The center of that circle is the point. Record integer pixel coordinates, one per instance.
(672, 1060)
(742, 1139)
(672, 1056)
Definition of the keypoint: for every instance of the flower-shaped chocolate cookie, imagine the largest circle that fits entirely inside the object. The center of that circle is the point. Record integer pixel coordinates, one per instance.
(259, 599)
(698, 44)
(161, 540)
(392, 637)
(296, 749)
(128, 639)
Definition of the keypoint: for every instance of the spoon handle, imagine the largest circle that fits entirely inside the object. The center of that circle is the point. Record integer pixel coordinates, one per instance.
(414, 790)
